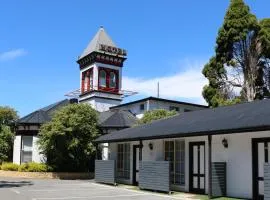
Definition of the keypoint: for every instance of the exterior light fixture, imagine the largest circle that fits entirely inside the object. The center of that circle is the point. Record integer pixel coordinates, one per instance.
(150, 146)
(225, 143)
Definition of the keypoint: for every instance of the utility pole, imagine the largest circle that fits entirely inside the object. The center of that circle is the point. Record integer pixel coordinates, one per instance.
(158, 89)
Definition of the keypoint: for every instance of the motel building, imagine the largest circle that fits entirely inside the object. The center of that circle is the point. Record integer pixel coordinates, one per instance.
(220, 152)
(100, 79)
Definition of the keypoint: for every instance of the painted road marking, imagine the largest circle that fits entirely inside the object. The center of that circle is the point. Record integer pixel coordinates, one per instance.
(13, 190)
(105, 196)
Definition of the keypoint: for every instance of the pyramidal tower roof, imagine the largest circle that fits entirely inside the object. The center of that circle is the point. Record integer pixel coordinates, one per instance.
(101, 37)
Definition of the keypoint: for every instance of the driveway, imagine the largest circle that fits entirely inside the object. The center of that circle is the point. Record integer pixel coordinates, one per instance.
(29, 189)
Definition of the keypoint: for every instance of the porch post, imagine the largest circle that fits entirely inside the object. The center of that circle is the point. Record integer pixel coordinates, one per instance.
(140, 150)
(209, 166)
(96, 146)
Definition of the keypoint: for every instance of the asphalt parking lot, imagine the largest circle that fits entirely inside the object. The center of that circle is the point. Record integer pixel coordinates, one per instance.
(29, 189)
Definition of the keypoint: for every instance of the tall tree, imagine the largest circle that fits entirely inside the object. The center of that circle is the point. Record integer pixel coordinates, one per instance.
(153, 115)
(8, 116)
(66, 140)
(239, 70)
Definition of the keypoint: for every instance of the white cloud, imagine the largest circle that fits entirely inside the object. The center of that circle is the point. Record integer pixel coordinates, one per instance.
(12, 54)
(187, 84)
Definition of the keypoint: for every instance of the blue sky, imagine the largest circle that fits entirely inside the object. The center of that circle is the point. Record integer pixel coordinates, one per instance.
(167, 41)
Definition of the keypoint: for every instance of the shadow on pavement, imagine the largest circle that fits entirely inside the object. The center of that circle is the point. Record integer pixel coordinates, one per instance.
(10, 184)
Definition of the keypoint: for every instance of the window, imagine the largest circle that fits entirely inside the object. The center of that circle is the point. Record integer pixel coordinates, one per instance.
(91, 80)
(123, 161)
(102, 78)
(187, 110)
(86, 80)
(26, 149)
(142, 107)
(175, 153)
(112, 80)
(174, 108)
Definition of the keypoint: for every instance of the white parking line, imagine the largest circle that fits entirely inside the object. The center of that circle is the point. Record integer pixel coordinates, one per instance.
(13, 190)
(57, 190)
(94, 197)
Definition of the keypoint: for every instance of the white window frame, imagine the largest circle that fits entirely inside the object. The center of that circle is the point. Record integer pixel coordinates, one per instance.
(124, 171)
(182, 173)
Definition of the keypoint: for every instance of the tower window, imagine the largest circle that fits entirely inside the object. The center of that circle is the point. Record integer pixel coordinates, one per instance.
(91, 80)
(86, 80)
(112, 83)
(102, 78)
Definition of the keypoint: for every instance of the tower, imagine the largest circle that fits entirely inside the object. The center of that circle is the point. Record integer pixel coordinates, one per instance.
(101, 72)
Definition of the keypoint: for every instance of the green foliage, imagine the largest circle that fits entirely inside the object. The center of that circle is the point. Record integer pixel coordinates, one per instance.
(6, 143)
(242, 52)
(153, 115)
(34, 167)
(7, 118)
(264, 35)
(9, 166)
(67, 140)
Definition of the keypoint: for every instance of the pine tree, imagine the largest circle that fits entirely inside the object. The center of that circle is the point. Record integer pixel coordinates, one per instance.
(241, 60)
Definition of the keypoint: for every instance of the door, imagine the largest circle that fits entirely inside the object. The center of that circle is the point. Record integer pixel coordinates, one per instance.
(197, 167)
(136, 160)
(260, 155)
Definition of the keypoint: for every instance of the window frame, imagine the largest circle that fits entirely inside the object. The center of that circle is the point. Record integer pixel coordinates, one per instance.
(23, 151)
(105, 78)
(110, 79)
(142, 106)
(107, 87)
(86, 82)
(123, 161)
(173, 165)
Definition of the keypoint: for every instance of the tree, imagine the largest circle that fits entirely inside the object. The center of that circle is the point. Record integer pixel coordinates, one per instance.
(239, 71)
(8, 116)
(153, 115)
(67, 140)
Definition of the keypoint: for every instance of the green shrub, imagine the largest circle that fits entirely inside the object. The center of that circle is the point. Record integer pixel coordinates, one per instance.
(34, 167)
(9, 167)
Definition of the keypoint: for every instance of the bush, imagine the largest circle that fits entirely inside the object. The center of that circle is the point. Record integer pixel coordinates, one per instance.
(34, 167)
(9, 167)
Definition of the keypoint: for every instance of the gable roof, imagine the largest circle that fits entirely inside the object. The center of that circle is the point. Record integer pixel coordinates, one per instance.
(116, 118)
(243, 117)
(44, 114)
(101, 37)
(158, 99)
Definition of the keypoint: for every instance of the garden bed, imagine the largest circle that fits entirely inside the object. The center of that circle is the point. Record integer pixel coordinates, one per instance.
(48, 175)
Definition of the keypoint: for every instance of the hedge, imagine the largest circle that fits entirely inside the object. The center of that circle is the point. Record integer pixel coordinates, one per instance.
(26, 167)
(9, 167)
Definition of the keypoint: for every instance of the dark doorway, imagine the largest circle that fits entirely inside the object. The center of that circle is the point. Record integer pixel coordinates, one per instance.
(260, 155)
(197, 167)
(135, 170)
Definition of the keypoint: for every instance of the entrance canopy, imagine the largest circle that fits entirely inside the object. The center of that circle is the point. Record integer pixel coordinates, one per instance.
(245, 117)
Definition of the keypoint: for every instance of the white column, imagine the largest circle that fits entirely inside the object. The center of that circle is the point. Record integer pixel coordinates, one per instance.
(17, 149)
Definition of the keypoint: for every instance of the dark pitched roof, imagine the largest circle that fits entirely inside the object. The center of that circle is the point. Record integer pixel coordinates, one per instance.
(116, 118)
(108, 119)
(159, 99)
(42, 115)
(244, 117)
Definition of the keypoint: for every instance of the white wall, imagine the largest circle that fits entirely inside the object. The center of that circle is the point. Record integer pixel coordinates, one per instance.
(17, 149)
(238, 157)
(102, 105)
(153, 105)
(36, 156)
